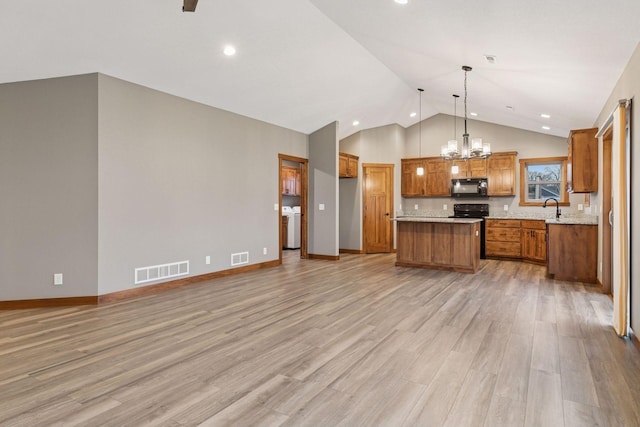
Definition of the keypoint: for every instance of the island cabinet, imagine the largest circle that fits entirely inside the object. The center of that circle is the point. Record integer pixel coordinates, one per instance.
(503, 238)
(501, 174)
(534, 241)
(347, 165)
(452, 245)
(582, 161)
(573, 252)
(290, 181)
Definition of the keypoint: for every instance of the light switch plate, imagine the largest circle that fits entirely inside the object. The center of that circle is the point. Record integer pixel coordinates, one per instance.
(321, 206)
(207, 259)
(275, 207)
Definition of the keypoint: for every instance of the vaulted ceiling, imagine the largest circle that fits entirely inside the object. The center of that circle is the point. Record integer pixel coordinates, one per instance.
(304, 63)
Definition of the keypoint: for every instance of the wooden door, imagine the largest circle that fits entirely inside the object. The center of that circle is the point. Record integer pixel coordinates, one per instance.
(377, 208)
(606, 209)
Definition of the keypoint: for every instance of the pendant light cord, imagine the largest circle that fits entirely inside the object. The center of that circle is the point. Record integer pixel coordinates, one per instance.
(420, 125)
(465, 101)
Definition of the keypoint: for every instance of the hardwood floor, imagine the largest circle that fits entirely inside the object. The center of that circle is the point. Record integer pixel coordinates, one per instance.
(312, 342)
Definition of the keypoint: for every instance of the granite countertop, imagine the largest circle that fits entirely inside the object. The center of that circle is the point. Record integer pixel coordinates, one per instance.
(414, 218)
(550, 218)
(584, 220)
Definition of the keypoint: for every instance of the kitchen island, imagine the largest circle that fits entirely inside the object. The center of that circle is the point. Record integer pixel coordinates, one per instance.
(438, 243)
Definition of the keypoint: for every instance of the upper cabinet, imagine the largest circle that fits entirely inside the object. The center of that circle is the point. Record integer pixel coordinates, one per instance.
(499, 169)
(412, 184)
(501, 174)
(290, 181)
(347, 165)
(582, 161)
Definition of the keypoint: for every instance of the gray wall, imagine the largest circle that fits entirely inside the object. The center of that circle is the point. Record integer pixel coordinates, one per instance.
(180, 180)
(438, 129)
(323, 189)
(49, 187)
(628, 87)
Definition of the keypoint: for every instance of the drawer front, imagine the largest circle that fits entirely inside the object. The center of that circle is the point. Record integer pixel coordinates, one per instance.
(535, 224)
(503, 234)
(507, 223)
(507, 249)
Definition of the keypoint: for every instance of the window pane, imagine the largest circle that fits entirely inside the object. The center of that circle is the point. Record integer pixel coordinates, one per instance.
(544, 172)
(543, 191)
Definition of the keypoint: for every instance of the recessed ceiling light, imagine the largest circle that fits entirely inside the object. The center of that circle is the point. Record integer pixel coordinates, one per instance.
(402, 1)
(229, 50)
(356, 122)
(545, 116)
(546, 128)
(491, 59)
(473, 114)
(413, 114)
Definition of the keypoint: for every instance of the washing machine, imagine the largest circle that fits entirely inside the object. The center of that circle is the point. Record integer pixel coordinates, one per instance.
(293, 227)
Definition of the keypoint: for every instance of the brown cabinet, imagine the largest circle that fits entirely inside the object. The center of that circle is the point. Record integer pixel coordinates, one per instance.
(438, 177)
(472, 168)
(441, 246)
(582, 161)
(347, 165)
(285, 231)
(534, 241)
(411, 184)
(573, 252)
(290, 181)
(503, 238)
(501, 174)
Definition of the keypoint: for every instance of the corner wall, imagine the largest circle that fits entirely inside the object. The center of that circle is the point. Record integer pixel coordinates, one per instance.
(179, 180)
(49, 187)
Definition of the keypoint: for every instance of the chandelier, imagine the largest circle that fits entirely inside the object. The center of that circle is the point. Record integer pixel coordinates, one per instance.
(477, 149)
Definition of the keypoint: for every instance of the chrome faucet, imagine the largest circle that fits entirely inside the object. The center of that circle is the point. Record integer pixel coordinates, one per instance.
(558, 212)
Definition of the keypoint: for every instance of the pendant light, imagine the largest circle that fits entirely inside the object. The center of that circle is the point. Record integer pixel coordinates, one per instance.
(420, 170)
(478, 149)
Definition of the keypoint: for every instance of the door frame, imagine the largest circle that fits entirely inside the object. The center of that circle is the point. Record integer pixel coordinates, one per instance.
(607, 236)
(391, 198)
(304, 204)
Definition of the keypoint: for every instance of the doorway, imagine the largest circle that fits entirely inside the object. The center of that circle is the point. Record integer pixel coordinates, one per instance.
(377, 209)
(607, 226)
(293, 186)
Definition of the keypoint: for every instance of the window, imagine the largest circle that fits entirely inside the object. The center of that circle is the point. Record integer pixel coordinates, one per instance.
(543, 178)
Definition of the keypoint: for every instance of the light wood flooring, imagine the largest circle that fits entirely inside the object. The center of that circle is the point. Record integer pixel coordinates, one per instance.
(322, 343)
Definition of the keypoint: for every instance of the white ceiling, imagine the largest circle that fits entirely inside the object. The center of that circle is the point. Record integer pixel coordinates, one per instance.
(304, 63)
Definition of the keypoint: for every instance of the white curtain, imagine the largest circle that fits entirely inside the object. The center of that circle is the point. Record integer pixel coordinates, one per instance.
(620, 180)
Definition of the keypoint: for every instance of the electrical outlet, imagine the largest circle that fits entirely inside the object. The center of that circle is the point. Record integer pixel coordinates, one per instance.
(444, 207)
(415, 207)
(506, 208)
(207, 259)
(264, 251)
(580, 207)
(58, 279)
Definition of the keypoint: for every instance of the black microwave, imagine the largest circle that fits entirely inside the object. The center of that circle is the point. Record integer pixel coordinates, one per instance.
(469, 187)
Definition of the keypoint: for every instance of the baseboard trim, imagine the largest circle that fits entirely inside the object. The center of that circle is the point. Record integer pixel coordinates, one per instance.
(352, 251)
(634, 339)
(131, 293)
(47, 302)
(324, 257)
(173, 284)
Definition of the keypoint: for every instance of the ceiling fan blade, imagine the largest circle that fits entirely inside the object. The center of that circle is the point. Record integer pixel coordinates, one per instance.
(189, 5)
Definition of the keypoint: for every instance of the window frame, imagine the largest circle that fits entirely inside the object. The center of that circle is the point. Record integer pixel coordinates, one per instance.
(524, 164)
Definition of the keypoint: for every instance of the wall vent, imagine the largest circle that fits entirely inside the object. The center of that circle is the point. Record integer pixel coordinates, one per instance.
(162, 271)
(240, 258)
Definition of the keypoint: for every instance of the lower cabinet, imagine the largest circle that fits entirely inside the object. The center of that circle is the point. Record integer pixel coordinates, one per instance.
(534, 241)
(517, 239)
(573, 252)
(503, 238)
